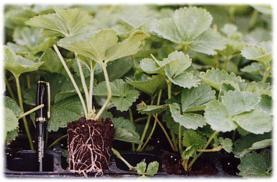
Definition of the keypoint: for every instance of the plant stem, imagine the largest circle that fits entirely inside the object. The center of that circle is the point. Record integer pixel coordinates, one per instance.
(266, 74)
(30, 111)
(91, 82)
(155, 121)
(180, 139)
(132, 120)
(57, 141)
(118, 155)
(173, 147)
(22, 108)
(169, 94)
(83, 81)
(109, 91)
(199, 154)
(145, 128)
(216, 149)
(9, 89)
(168, 89)
(140, 119)
(71, 79)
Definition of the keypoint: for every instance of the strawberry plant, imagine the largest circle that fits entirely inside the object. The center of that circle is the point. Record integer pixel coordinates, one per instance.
(180, 82)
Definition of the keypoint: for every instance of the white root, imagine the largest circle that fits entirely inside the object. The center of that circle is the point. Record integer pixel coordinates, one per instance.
(87, 156)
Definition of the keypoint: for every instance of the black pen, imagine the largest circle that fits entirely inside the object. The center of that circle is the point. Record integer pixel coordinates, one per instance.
(42, 116)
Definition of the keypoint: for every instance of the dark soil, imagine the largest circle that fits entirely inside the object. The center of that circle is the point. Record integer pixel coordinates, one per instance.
(171, 163)
(89, 146)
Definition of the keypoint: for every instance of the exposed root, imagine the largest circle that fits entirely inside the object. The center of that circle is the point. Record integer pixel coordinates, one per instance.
(89, 146)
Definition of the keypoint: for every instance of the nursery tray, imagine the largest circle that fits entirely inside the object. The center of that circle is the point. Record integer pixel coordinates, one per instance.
(116, 169)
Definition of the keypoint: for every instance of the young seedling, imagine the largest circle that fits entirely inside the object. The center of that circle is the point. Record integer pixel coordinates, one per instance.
(89, 140)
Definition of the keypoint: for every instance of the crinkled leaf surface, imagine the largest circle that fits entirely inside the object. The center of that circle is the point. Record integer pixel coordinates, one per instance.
(103, 45)
(12, 105)
(178, 62)
(256, 121)
(255, 164)
(141, 167)
(215, 78)
(149, 85)
(65, 21)
(260, 52)
(123, 95)
(50, 62)
(242, 145)
(208, 43)
(125, 130)
(238, 102)
(217, 116)
(193, 138)
(185, 24)
(18, 64)
(11, 121)
(33, 39)
(226, 144)
(185, 80)
(188, 120)
(64, 112)
(152, 168)
(193, 98)
(190, 27)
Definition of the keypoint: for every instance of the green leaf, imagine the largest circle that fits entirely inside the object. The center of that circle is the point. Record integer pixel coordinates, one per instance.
(152, 168)
(216, 78)
(208, 43)
(50, 62)
(178, 62)
(185, 80)
(188, 153)
(65, 21)
(18, 64)
(253, 68)
(265, 9)
(188, 120)
(151, 109)
(149, 66)
(124, 65)
(141, 167)
(256, 121)
(18, 16)
(149, 85)
(11, 121)
(93, 45)
(103, 45)
(185, 24)
(195, 97)
(64, 112)
(193, 138)
(11, 135)
(217, 116)
(226, 144)
(127, 47)
(123, 95)
(125, 130)
(238, 102)
(259, 88)
(242, 145)
(255, 164)
(33, 39)
(261, 144)
(260, 52)
(12, 105)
